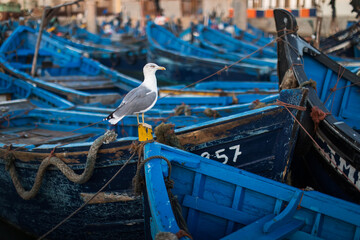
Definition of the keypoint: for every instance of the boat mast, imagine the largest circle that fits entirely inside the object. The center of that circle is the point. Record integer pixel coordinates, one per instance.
(48, 13)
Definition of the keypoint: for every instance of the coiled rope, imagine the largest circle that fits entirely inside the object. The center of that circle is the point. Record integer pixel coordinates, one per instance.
(109, 136)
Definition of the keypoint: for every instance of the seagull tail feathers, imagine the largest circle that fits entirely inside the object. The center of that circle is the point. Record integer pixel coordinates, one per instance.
(113, 120)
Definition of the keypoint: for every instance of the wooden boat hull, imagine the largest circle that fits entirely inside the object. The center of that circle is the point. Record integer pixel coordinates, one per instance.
(115, 214)
(234, 140)
(336, 168)
(220, 202)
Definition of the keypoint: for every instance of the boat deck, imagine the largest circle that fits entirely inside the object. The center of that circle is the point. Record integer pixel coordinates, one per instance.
(34, 135)
(81, 82)
(22, 128)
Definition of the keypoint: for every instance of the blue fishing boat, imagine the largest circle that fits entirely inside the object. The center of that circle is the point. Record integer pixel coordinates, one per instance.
(137, 43)
(258, 32)
(190, 197)
(76, 139)
(253, 35)
(62, 70)
(117, 26)
(186, 63)
(218, 41)
(222, 88)
(128, 55)
(16, 89)
(6, 28)
(343, 43)
(126, 59)
(330, 160)
(81, 34)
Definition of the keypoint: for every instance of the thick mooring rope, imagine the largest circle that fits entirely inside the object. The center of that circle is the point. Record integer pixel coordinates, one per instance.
(165, 134)
(134, 149)
(109, 136)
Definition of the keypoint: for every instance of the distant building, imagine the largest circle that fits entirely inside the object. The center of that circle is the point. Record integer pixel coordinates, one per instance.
(257, 12)
(183, 8)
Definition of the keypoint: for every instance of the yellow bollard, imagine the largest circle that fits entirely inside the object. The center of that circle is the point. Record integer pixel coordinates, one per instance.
(145, 132)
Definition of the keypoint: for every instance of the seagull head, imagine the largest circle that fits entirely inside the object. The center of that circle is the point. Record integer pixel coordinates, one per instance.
(151, 68)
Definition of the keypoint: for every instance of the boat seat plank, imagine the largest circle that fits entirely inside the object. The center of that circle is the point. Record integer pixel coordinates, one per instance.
(27, 52)
(255, 230)
(17, 129)
(23, 66)
(196, 192)
(34, 135)
(84, 85)
(17, 104)
(212, 208)
(239, 192)
(71, 138)
(74, 78)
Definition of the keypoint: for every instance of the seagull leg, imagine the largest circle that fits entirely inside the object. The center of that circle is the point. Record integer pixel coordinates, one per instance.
(143, 117)
(137, 117)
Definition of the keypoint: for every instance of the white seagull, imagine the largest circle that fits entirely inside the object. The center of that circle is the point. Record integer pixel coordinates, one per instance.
(140, 99)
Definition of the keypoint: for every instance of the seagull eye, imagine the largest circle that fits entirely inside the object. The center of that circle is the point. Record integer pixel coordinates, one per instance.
(152, 66)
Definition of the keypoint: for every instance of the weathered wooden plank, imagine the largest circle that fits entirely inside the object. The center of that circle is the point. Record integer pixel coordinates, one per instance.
(74, 78)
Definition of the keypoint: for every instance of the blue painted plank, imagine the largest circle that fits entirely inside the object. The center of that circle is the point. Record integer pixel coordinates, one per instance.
(255, 230)
(197, 192)
(212, 208)
(239, 192)
(316, 226)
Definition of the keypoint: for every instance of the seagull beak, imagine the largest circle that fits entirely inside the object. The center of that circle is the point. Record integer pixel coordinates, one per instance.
(161, 68)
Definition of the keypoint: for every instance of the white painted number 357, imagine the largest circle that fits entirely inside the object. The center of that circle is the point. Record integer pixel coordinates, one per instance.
(221, 156)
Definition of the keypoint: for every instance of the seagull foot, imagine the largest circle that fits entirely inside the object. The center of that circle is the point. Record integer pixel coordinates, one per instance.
(146, 125)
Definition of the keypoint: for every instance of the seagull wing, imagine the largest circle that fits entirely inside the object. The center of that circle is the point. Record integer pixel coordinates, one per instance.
(135, 101)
